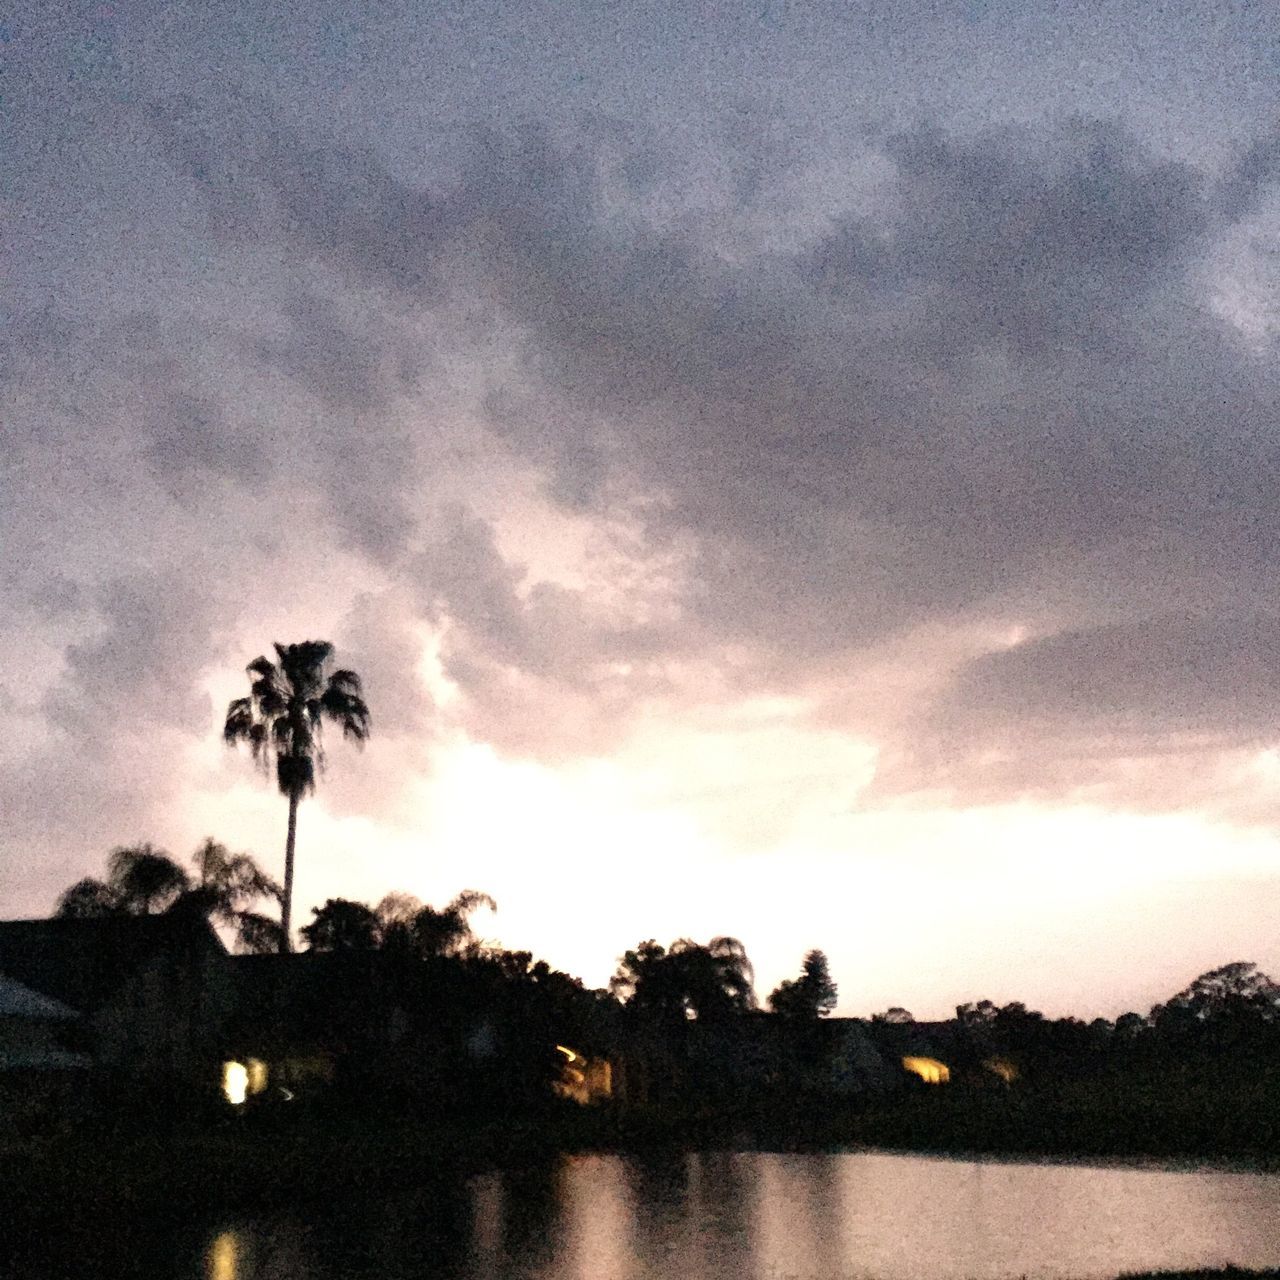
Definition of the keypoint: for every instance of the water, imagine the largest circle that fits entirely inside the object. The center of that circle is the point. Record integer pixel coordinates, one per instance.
(750, 1216)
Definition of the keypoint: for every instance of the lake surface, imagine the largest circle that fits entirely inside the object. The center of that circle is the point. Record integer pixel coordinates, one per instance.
(749, 1216)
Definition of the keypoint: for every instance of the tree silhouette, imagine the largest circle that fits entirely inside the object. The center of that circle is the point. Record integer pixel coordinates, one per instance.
(689, 981)
(811, 995)
(143, 880)
(1234, 993)
(342, 925)
(894, 1016)
(409, 926)
(282, 719)
(227, 886)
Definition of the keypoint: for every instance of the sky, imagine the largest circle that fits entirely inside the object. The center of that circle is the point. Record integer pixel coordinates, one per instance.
(806, 470)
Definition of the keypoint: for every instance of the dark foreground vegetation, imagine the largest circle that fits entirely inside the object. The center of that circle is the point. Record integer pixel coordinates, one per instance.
(1220, 1273)
(1216, 1274)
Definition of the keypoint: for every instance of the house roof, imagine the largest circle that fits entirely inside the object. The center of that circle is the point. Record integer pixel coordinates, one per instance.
(19, 1001)
(82, 963)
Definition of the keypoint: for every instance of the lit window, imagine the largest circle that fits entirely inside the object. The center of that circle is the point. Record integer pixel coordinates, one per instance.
(235, 1082)
(256, 1071)
(930, 1070)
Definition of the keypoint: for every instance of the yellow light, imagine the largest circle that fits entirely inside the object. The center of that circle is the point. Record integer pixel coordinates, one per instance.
(930, 1070)
(224, 1255)
(235, 1082)
(568, 1053)
(256, 1075)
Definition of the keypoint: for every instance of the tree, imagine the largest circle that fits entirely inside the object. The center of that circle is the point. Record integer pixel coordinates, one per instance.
(1237, 991)
(282, 719)
(895, 1016)
(686, 982)
(342, 925)
(143, 880)
(229, 885)
(435, 932)
(811, 995)
(976, 1017)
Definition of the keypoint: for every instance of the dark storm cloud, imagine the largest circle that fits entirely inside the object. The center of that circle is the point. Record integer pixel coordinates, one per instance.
(999, 392)
(991, 389)
(337, 364)
(135, 673)
(1132, 684)
(188, 433)
(1163, 713)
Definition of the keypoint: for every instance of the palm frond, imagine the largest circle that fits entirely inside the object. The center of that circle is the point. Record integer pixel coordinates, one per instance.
(344, 706)
(239, 722)
(144, 878)
(288, 702)
(259, 935)
(470, 900)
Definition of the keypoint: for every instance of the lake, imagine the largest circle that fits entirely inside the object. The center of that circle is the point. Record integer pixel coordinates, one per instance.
(748, 1216)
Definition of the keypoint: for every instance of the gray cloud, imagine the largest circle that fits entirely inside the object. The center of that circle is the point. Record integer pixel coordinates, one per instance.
(992, 392)
(1000, 390)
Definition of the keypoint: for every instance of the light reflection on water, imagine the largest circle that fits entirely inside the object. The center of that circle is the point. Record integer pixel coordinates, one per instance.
(753, 1216)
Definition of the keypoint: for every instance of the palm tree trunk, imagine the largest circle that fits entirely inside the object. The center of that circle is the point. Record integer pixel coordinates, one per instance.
(286, 906)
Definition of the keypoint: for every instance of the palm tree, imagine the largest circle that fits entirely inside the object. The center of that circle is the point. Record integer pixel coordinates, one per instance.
(143, 880)
(227, 887)
(406, 926)
(282, 719)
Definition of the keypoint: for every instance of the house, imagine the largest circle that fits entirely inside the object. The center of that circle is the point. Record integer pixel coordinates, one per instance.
(36, 1032)
(150, 995)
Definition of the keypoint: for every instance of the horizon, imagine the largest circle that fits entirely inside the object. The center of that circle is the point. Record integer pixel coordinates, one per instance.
(806, 474)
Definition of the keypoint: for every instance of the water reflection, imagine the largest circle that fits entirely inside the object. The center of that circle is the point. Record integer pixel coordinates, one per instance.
(722, 1216)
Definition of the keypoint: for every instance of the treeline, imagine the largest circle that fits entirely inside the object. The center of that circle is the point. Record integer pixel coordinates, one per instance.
(1232, 1009)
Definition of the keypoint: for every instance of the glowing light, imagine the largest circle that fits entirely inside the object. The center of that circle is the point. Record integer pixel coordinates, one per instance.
(256, 1071)
(224, 1256)
(235, 1082)
(583, 1079)
(930, 1070)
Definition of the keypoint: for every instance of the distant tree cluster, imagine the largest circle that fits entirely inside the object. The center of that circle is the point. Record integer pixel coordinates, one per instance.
(398, 923)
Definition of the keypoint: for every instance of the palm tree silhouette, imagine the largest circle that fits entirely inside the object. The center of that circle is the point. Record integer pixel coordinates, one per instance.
(143, 880)
(282, 719)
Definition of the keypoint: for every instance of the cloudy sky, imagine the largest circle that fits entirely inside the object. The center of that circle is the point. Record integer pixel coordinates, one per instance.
(803, 469)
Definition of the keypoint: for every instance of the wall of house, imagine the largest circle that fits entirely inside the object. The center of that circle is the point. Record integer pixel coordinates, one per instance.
(168, 1017)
